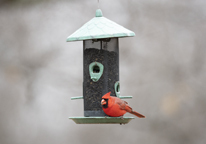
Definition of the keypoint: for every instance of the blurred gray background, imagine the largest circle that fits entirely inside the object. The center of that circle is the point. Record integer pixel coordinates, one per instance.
(163, 67)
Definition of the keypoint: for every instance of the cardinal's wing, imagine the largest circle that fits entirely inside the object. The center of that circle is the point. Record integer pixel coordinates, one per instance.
(123, 104)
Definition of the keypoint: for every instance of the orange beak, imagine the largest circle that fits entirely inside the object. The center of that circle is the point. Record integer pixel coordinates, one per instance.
(103, 102)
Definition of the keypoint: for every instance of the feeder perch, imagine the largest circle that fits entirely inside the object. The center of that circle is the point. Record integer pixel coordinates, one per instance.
(100, 67)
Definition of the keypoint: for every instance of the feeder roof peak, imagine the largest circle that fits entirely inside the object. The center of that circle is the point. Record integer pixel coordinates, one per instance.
(99, 27)
(98, 13)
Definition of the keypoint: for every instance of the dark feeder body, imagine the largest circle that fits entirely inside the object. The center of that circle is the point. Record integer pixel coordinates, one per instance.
(106, 53)
(100, 66)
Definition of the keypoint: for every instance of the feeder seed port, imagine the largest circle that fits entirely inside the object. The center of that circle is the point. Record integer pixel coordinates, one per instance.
(96, 70)
(117, 89)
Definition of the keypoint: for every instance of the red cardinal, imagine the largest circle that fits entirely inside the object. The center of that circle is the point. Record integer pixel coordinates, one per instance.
(115, 107)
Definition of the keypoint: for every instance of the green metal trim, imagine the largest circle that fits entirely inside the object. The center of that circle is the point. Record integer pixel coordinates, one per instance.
(95, 76)
(81, 97)
(117, 89)
(74, 98)
(99, 27)
(101, 120)
(125, 97)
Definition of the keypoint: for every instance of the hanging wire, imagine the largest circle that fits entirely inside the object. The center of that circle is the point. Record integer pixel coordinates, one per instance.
(98, 3)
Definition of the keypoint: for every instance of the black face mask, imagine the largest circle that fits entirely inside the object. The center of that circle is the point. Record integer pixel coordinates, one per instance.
(106, 105)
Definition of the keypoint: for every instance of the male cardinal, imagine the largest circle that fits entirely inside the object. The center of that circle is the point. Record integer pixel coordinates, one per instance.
(115, 107)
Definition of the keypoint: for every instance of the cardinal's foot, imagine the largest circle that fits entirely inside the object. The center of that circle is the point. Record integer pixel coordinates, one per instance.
(122, 118)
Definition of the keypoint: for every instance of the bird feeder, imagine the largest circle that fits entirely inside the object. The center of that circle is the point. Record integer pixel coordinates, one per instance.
(100, 38)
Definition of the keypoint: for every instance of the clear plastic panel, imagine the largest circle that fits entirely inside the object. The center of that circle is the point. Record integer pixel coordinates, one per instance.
(109, 44)
(105, 52)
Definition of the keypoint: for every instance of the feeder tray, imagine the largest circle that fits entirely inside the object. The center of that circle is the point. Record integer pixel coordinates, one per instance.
(101, 120)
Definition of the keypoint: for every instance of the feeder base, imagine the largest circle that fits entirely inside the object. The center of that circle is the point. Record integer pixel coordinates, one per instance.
(101, 120)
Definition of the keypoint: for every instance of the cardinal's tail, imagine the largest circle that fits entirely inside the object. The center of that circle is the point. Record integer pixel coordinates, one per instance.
(137, 114)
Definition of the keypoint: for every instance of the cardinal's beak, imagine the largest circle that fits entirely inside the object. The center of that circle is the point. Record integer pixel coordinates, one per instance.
(103, 102)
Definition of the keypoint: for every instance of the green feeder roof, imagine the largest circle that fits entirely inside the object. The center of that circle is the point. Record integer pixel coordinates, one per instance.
(99, 27)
